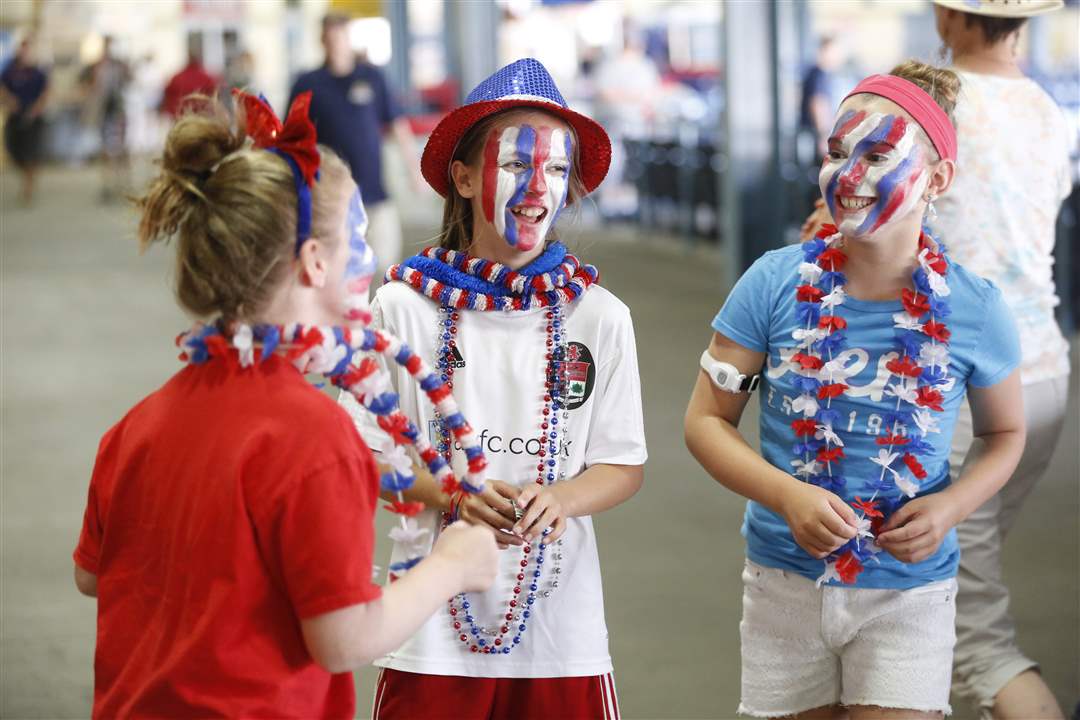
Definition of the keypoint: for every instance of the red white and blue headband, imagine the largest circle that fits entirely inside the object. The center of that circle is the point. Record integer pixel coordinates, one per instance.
(917, 103)
(295, 142)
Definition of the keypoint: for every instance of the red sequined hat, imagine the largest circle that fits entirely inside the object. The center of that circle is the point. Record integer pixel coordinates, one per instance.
(522, 83)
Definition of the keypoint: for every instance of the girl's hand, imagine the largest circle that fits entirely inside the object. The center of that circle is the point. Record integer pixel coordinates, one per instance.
(543, 509)
(820, 521)
(915, 531)
(493, 508)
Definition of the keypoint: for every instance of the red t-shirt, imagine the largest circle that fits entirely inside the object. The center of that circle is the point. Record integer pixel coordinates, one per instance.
(224, 508)
(192, 79)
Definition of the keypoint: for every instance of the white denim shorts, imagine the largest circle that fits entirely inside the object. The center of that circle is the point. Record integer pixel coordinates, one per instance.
(805, 647)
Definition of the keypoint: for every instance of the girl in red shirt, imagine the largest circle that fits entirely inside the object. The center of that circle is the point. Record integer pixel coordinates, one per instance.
(228, 533)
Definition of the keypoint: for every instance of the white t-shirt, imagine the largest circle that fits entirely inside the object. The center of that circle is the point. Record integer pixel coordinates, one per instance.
(997, 219)
(499, 387)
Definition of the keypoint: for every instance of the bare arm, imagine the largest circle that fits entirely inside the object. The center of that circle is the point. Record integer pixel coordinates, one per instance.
(86, 582)
(916, 530)
(819, 520)
(463, 560)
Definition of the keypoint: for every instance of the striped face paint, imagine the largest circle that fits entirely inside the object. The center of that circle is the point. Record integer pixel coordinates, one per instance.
(362, 261)
(874, 173)
(526, 173)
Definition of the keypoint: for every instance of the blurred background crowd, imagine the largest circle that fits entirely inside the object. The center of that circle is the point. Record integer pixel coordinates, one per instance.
(703, 154)
(718, 110)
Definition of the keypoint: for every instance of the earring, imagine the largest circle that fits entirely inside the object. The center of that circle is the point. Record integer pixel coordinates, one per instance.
(931, 211)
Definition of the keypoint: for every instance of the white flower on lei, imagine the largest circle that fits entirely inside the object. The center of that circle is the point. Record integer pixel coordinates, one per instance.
(829, 574)
(806, 404)
(936, 280)
(862, 527)
(906, 486)
(885, 458)
(806, 338)
(926, 422)
(413, 537)
(398, 458)
(244, 341)
(834, 371)
(826, 433)
(904, 390)
(906, 321)
(809, 272)
(373, 386)
(834, 299)
(806, 469)
(931, 354)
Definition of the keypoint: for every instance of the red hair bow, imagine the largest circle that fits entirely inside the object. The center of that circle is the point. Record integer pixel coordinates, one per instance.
(296, 138)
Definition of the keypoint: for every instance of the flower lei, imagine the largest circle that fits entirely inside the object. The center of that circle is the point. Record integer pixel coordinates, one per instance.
(918, 376)
(458, 281)
(337, 354)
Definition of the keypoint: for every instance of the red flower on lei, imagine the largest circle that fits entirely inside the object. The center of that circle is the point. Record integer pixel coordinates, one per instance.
(929, 397)
(868, 507)
(830, 391)
(832, 259)
(408, 509)
(914, 466)
(915, 303)
(848, 567)
(832, 322)
(808, 362)
(904, 366)
(937, 330)
(804, 427)
(809, 293)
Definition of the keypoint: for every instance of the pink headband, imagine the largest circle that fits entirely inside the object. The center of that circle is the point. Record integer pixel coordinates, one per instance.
(919, 105)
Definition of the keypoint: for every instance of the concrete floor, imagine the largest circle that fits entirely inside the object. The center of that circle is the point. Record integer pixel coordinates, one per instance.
(87, 328)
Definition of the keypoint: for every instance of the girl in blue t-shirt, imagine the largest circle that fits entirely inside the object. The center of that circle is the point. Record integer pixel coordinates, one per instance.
(867, 339)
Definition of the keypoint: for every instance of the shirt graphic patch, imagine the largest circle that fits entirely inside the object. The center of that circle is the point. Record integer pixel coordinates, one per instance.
(580, 375)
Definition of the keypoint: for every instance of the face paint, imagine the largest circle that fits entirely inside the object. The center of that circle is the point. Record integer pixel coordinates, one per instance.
(874, 172)
(362, 262)
(526, 174)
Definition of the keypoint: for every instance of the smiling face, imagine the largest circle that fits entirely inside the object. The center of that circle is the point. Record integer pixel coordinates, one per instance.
(877, 167)
(525, 170)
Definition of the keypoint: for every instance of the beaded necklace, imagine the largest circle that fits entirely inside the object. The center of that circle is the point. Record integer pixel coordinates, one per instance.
(918, 376)
(337, 354)
(455, 280)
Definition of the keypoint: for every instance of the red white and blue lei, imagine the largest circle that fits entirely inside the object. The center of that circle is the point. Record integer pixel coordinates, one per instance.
(340, 354)
(919, 377)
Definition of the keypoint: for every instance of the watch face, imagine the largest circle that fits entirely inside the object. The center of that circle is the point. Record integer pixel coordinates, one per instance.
(722, 376)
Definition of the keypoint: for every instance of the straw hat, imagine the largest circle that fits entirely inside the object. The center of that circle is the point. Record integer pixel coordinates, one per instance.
(523, 83)
(1003, 8)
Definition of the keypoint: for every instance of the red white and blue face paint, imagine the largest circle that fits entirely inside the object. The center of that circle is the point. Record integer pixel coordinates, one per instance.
(526, 173)
(361, 264)
(874, 173)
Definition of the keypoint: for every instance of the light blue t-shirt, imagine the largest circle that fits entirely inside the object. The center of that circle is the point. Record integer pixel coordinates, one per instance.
(759, 314)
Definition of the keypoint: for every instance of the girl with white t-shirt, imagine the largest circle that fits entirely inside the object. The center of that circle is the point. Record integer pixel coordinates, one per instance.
(542, 361)
(867, 339)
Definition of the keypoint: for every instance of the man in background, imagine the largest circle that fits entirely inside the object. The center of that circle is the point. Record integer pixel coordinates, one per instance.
(23, 92)
(192, 79)
(351, 108)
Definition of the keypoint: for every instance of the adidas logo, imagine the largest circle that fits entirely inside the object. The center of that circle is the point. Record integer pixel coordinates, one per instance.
(455, 359)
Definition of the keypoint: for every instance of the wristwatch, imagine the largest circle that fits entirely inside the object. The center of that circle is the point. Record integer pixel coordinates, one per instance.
(726, 376)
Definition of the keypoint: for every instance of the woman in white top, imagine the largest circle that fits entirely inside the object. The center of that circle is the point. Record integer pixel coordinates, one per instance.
(998, 221)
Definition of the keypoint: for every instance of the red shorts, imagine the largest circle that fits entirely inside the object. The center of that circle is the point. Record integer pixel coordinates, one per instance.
(409, 696)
